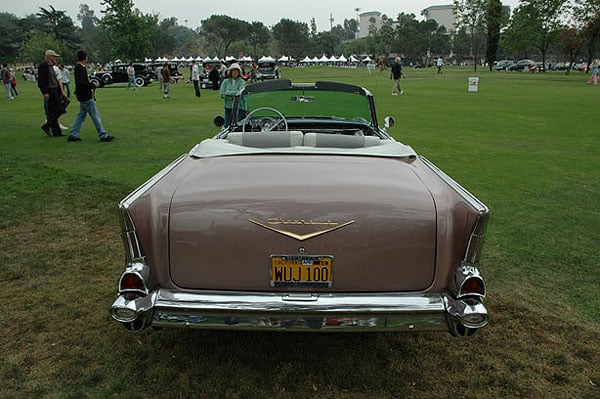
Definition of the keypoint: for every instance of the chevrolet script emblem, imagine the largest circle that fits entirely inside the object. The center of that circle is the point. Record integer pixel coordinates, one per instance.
(275, 224)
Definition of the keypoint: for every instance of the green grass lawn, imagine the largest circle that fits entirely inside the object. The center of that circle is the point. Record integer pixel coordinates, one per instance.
(526, 144)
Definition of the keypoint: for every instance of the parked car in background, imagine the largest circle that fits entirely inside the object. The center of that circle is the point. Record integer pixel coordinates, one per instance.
(117, 73)
(503, 65)
(268, 70)
(560, 66)
(523, 65)
(303, 215)
(581, 66)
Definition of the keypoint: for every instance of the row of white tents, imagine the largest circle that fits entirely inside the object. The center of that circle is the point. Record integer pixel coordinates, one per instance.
(323, 60)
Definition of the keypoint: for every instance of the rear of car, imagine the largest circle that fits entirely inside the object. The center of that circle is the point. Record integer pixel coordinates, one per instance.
(329, 232)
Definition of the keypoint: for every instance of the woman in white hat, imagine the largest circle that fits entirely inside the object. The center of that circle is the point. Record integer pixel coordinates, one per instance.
(229, 88)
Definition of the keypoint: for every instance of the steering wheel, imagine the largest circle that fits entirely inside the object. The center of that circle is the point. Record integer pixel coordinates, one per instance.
(266, 123)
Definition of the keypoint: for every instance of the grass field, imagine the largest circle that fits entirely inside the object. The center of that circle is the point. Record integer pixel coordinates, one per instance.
(526, 144)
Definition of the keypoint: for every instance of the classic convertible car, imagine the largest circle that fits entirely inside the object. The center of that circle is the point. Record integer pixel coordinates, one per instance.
(303, 214)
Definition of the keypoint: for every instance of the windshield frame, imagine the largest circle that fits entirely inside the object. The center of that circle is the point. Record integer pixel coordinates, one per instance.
(325, 86)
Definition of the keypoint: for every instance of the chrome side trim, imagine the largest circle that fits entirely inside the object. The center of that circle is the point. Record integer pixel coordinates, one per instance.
(475, 244)
(127, 201)
(476, 203)
(324, 312)
(131, 242)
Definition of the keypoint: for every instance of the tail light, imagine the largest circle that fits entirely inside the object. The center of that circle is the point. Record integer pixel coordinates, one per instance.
(131, 282)
(135, 279)
(472, 286)
(468, 282)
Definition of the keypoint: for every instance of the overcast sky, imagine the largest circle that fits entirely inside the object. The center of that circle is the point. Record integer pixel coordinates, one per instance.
(268, 12)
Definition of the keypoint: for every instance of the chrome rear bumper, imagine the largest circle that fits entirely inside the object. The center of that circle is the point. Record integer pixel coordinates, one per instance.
(300, 312)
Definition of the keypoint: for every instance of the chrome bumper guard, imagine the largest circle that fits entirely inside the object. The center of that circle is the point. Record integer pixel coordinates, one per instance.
(300, 312)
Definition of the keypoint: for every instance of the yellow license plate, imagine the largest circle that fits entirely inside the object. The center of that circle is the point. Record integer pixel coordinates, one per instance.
(301, 271)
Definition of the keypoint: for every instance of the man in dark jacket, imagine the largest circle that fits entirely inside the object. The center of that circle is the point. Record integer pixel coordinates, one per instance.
(87, 102)
(49, 86)
(396, 74)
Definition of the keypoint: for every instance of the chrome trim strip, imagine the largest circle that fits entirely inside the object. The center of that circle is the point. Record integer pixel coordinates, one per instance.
(475, 244)
(127, 201)
(474, 201)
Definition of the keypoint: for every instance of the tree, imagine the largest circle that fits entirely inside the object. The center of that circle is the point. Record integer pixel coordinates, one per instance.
(292, 37)
(493, 16)
(258, 36)
(350, 29)
(544, 18)
(571, 43)
(93, 36)
(163, 42)
(221, 30)
(11, 36)
(60, 25)
(470, 15)
(33, 50)
(130, 32)
(517, 38)
(587, 13)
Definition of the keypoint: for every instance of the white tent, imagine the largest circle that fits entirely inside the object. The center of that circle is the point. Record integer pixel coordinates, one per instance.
(342, 58)
(283, 58)
(198, 58)
(324, 59)
(190, 59)
(246, 58)
(216, 58)
(266, 58)
(354, 59)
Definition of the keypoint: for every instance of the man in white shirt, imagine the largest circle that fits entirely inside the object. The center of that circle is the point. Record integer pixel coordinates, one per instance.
(131, 76)
(196, 77)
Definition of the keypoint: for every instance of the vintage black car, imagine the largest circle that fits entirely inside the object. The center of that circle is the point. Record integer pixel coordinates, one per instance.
(117, 73)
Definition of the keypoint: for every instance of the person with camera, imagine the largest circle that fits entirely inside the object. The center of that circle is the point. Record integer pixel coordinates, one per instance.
(84, 91)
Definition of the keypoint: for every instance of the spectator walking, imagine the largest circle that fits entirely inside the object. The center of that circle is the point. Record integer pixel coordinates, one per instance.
(84, 91)
(229, 88)
(13, 83)
(65, 77)
(51, 90)
(5, 73)
(158, 73)
(166, 77)
(440, 63)
(594, 78)
(396, 74)
(131, 76)
(195, 76)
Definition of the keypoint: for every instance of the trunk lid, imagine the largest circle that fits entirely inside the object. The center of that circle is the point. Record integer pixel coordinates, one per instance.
(373, 216)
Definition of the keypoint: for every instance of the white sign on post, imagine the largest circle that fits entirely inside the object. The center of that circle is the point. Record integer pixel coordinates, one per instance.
(473, 84)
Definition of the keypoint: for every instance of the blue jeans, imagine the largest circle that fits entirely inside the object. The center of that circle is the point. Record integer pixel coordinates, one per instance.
(131, 82)
(88, 107)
